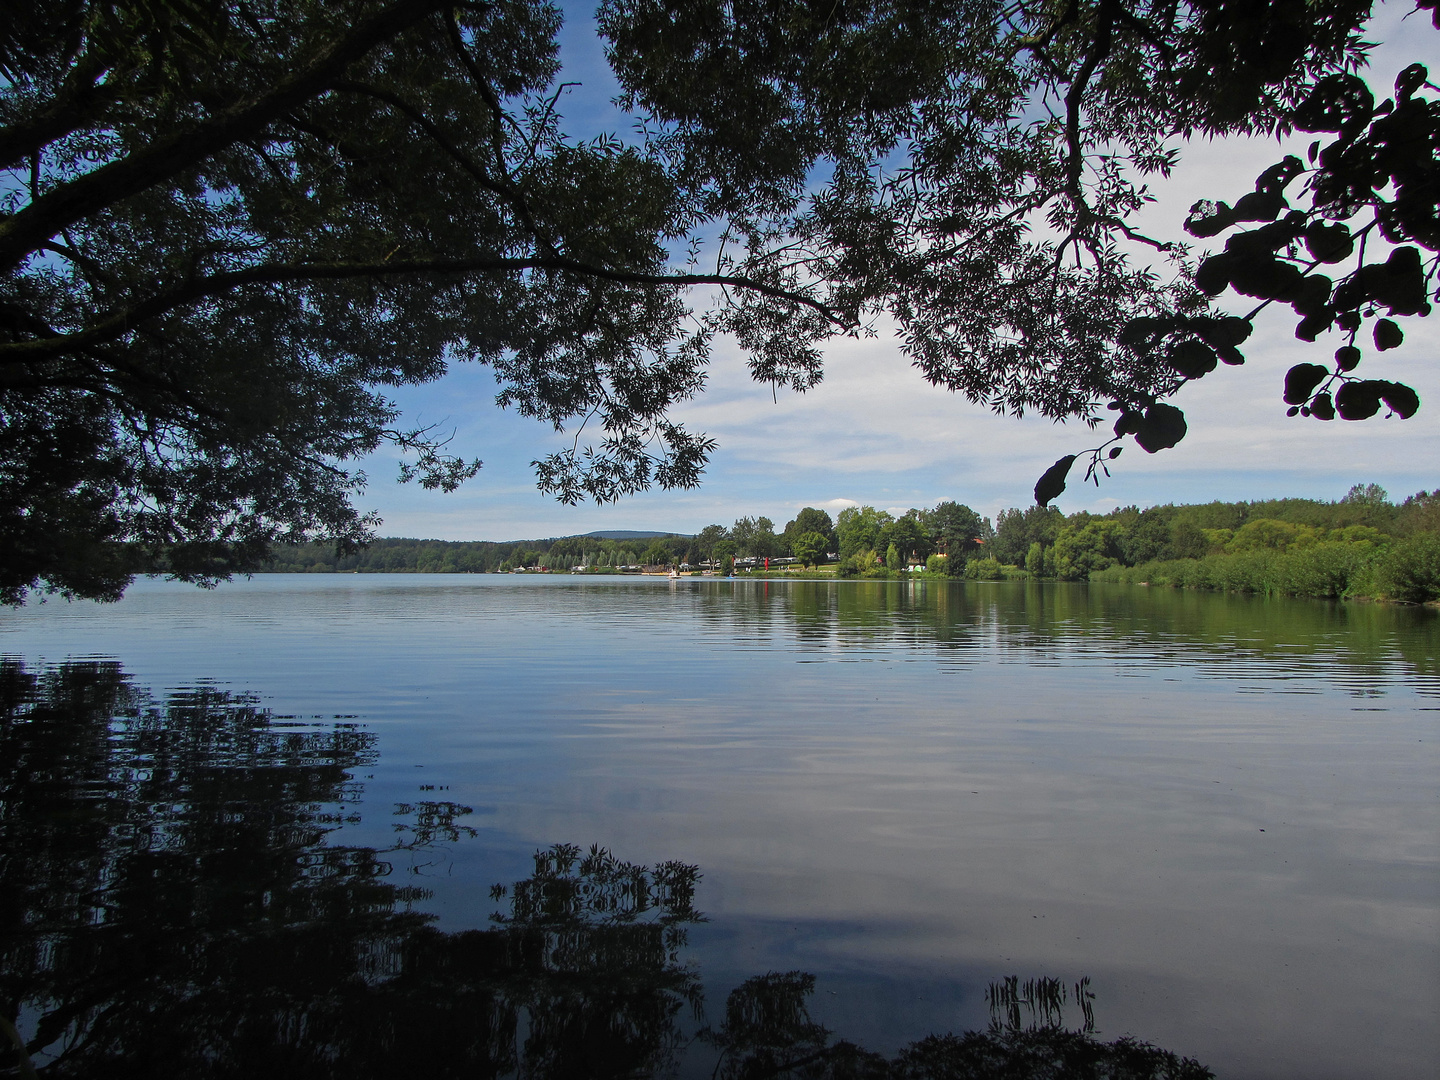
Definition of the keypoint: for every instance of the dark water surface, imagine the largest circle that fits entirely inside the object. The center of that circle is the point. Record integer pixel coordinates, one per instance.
(270, 817)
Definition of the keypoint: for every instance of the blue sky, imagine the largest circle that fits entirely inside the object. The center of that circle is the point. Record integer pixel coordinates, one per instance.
(874, 432)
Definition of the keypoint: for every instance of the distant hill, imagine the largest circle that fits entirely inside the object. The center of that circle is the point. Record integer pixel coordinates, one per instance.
(601, 534)
(401, 555)
(627, 534)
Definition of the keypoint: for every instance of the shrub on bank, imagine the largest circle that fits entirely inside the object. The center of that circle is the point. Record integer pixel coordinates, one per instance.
(1410, 570)
(984, 570)
(1318, 570)
(992, 569)
(862, 564)
(1406, 570)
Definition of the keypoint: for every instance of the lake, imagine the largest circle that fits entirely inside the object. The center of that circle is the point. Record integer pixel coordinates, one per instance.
(262, 827)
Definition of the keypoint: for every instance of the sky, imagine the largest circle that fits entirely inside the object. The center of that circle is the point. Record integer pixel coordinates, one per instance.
(875, 433)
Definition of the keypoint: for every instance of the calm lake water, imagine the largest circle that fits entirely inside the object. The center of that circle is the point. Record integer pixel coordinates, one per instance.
(1222, 812)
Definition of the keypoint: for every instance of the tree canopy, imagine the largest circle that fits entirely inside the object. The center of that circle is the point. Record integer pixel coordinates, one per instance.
(229, 225)
(810, 520)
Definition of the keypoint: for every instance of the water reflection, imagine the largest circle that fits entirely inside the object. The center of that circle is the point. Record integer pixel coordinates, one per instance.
(1032, 622)
(1038, 1003)
(175, 901)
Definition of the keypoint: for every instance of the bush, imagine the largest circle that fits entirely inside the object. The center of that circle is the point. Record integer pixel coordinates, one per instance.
(990, 569)
(1410, 569)
(1035, 560)
(1328, 569)
(1077, 553)
(809, 548)
(862, 564)
(1325, 569)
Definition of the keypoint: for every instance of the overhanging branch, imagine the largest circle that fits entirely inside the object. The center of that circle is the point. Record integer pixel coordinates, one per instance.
(23, 233)
(121, 323)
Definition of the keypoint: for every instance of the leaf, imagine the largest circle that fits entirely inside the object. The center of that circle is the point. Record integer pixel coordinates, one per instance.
(1050, 485)
(1347, 357)
(1352, 293)
(1414, 214)
(1312, 326)
(1278, 176)
(1329, 243)
(1224, 332)
(1301, 381)
(1264, 277)
(1359, 399)
(1399, 283)
(1401, 399)
(1388, 335)
(1260, 206)
(1193, 359)
(1143, 331)
(1322, 408)
(1410, 80)
(1129, 422)
(1208, 218)
(1338, 103)
(1214, 274)
(1268, 239)
(1164, 426)
(1311, 295)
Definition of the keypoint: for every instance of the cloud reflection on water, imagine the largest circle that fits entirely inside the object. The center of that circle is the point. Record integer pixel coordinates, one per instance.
(908, 791)
(176, 904)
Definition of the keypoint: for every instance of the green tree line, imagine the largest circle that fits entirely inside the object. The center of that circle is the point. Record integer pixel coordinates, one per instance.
(812, 538)
(400, 555)
(1360, 545)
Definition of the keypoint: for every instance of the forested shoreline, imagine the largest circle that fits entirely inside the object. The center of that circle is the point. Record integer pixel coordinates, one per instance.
(1362, 545)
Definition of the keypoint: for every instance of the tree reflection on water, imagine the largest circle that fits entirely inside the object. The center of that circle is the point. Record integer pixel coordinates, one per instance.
(173, 904)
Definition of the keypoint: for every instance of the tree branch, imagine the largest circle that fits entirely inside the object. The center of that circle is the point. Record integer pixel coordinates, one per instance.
(23, 233)
(121, 323)
(498, 115)
(1099, 50)
(472, 167)
(81, 100)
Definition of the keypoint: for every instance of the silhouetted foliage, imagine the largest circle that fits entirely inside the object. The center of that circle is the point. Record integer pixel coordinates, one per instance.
(1382, 165)
(228, 227)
